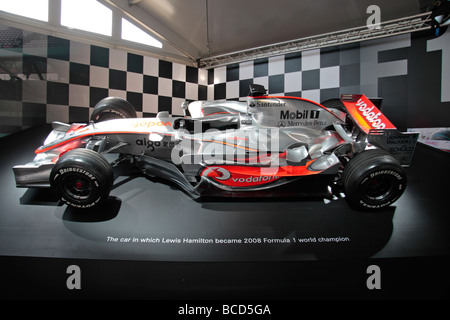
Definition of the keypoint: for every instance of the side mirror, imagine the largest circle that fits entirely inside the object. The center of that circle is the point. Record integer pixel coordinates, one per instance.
(257, 90)
(184, 107)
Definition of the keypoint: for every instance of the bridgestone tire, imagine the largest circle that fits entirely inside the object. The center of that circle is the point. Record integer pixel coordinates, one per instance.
(112, 108)
(373, 180)
(82, 178)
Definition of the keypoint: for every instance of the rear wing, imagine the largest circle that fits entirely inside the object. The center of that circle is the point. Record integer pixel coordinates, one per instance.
(365, 114)
(380, 131)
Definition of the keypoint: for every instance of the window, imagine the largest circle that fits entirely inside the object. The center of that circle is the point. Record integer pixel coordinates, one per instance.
(87, 15)
(132, 33)
(35, 9)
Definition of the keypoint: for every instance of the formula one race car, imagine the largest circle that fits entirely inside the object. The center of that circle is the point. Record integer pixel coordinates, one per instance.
(229, 148)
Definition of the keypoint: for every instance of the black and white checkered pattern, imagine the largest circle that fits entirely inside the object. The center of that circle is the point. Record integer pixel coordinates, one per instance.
(45, 78)
(93, 73)
(316, 75)
(62, 80)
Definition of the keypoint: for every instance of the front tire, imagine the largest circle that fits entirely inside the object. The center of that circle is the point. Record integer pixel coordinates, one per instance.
(82, 178)
(373, 180)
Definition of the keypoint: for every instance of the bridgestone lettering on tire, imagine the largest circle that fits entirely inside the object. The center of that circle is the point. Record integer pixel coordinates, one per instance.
(112, 108)
(82, 178)
(373, 180)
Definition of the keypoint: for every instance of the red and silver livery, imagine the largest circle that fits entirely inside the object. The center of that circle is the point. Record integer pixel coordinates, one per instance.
(268, 145)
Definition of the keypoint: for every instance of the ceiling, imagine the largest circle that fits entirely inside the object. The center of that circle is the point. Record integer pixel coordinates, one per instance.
(194, 29)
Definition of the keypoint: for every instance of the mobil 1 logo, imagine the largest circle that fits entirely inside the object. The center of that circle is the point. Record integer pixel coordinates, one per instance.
(299, 114)
(299, 118)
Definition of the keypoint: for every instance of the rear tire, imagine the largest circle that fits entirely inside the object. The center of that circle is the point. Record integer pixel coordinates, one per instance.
(112, 108)
(334, 104)
(338, 105)
(82, 178)
(373, 180)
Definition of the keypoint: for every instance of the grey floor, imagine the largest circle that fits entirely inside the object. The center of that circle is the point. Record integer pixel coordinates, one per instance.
(39, 239)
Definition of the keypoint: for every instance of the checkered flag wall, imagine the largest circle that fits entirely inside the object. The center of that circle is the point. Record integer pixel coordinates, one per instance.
(315, 75)
(61, 80)
(45, 78)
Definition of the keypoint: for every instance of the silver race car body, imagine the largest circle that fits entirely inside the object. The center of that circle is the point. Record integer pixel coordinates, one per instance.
(229, 148)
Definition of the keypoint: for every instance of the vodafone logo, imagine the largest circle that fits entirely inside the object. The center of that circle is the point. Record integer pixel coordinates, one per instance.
(236, 179)
(148, 124)
(217, 173)
(253, 179)
(370, 115)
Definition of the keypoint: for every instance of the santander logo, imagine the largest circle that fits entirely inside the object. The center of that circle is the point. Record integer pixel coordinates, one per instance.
(370, 115)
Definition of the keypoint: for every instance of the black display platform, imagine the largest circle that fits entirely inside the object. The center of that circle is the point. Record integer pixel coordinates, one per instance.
(152, 234)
